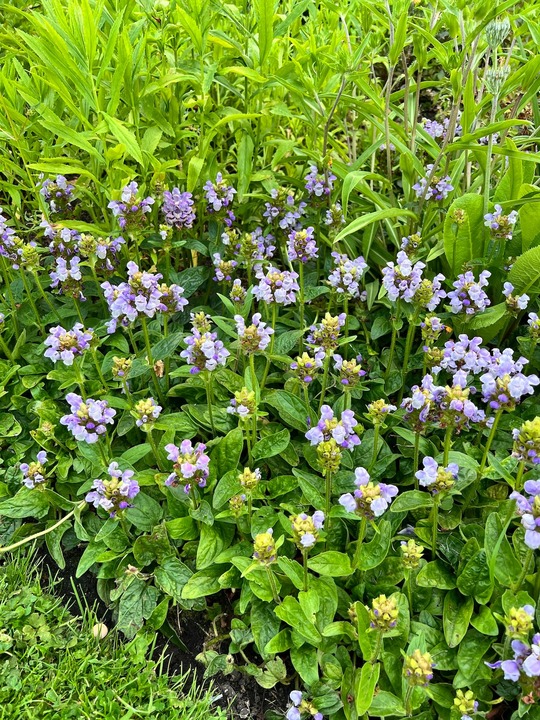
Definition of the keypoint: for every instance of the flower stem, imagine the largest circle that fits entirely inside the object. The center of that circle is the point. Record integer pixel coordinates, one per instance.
(35, 536)
(31, 301)
(306, 570)
(155, 450)
(271, 350)
(324, 380)
(490, 439)
(447, 444)
(150, 360)
(526, 563)
(519, 475)
(408, 347)
(308, 408)
(416, 457)
(301, 299)
(435, 525)
(210, 399)
(375, 452)
(359, 542)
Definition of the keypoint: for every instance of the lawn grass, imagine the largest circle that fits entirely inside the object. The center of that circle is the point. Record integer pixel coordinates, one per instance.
(52, 666)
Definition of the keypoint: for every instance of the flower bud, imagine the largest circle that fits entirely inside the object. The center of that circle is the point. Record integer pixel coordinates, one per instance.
(379, 410)
(264, 548)
(306, 529)
(249, 479)
(418, 668)
(527, 442)
(329, 456)
(237, 504)
(519, 621)
(121, 367)
(497, 31)
(412, 553)
(465, 702)
(384, 613)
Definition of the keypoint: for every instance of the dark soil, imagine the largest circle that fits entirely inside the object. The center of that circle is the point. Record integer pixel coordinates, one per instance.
(238, 693)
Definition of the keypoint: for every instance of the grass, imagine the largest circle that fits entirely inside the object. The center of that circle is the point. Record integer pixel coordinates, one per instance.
(52, 666)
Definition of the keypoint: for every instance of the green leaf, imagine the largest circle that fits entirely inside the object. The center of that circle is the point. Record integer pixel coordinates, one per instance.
(331, 564)
(369, 218)
(385, 704)
(213, 540)
(291, 612)
(26, 503)
(411, 500)
(525, 273)
(435, 574)
(124, 136)
(228, 486)
(136, 604)
(195, 166)
(172, 575)
(484, 622)
(471, 651)
(464, 241)
(166, 346)
(372, 554)
(365, 682)
(271, 445)
(264, 626)
(457, 612)
(145, 513)
(92, 551)
(202, 583)
(304, 660)
(265, 29)
(475, 578)
(225, 456)
(291, 410)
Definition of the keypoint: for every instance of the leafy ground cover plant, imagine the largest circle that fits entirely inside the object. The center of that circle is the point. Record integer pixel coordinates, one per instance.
(55, 665)
(270, 336)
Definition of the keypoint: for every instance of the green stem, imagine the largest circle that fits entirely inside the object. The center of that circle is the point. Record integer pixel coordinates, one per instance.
(151, 361)
(526, 563)
(5, 349)
(408, 699)
(155, 450)
(80, 377)
(306, 400)
(271, 351)
(416, 457)
(447, 444)
(408, 347)
(490, 439)
(392, 343)
(519, 475)
(434, 526)
(306, 570)
(273, 585)
(167, 359)
(101, 451)
(376, 431)
(46, 299)
(377, 650)
(359, 542)
(410, 587)
(256, 391)
(9, 293)
(78, 309)
(31, 301)
(328, 496)
(301, 299)
(487, 174)
(324, 379)
(210, 399)
(346, 328)
(98, 369)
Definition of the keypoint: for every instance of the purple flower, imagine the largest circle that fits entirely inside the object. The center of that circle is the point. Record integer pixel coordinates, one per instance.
(305, 367)
(455, 407)
(342, 431)
(501, 226)
(224, 268)
(529, 510)
(302, 708)
(437, 478)
(249, 248)
(204, 351)
(438, 189)
(504, 385)
(325, 335)
(283, 211)
(66, 345)
(334, 216)
(403, 281)
(131, 210)
(6, 239)
(58, 193)
(317, 183)
(526, 659)
(177, 209)
(439, 130)
(34, 472)
(67, 277)
(140, 295)
(350, 371)
(88, 418)
(146, 412)
(276, 286)
(114, 494)
(346, 275)
(190, 465)
(533, 322)
(63, 241)
(468, 296)
(254, 338)
(514, 303)
(423, 405)
(301, 245)
(369, 500)
(218, 195)
(465, 354)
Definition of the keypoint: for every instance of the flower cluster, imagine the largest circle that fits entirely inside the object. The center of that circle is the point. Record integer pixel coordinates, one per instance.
(504, 384)
(418, 668)
(223, 268)
(346, 274)
(519, 621)
(301, 708)
(529, 510)
(514, 303)
(244, 404)
(264, 548)
(301, 245)
(67, 277)
(131, 210)
(329, 427)
(527, 442)
(106, 250)
(411, 243)
(146, 412)
(190, 465)
(66, 345)
(34, 472)
(465, 354)
(249, 479)
(378, 411)
(218, 194)
(204, 351)
(305, 528)
(369, 500)
(277, 286)
(411, 553)
(255, 337)
(466, 704)
(305, 367)
(177, 209)
(88, 418)
(534, 326)
(115, 494)
(435, 477)
(468, 295)
(58, 193)
(501, 225)
(325, 335)
(404, 281)
(141, 295)
(350, 371)
(283, 211)
(438, 188)
(526, 660)
(318, 183)
(383, 613)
